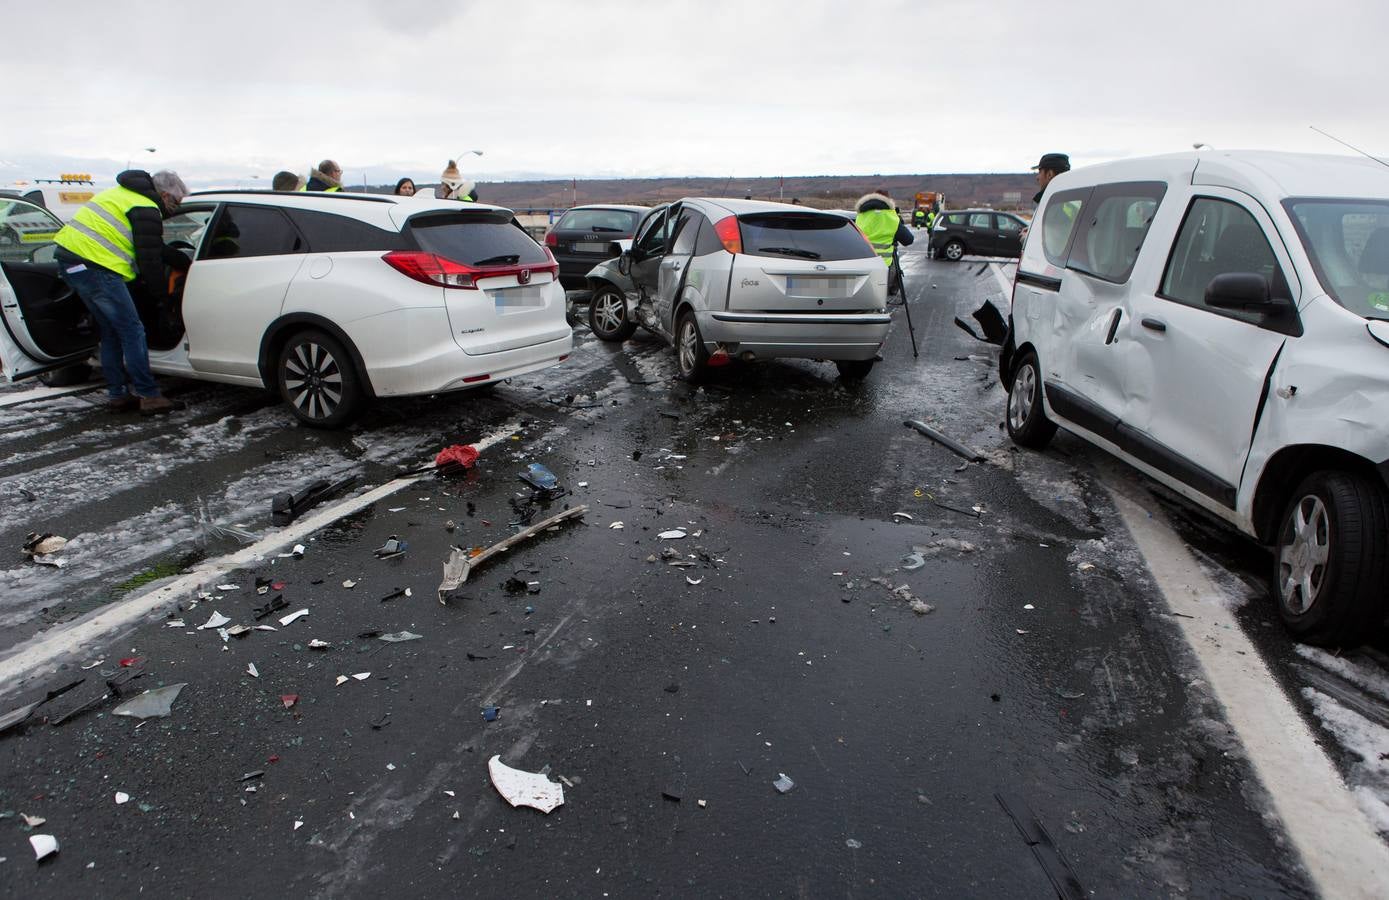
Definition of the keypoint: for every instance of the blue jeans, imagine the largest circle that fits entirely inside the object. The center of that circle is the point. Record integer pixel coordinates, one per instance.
(123, 350)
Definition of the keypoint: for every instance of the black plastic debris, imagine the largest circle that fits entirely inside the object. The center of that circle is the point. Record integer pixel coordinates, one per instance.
(393, 547)
(286, 507)
(944, 440)
(991, 323)
(1057, 870)
(396, 594)
(277, 603)
(16, 717)
(251, 776)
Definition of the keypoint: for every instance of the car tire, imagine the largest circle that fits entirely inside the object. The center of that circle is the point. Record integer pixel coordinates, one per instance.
(1331, 559)
(1028, 424)
(691, 357)
(607, 315)
(318, 380)
(953, 251)
(67, 376)
(854, 369)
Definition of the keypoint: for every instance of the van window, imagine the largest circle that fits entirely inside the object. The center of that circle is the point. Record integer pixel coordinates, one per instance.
(1113, 229)
(1218, 237)
(1348, 243)
(1059, 223)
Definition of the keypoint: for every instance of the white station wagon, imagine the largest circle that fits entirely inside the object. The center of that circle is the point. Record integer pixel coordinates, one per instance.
(330, 299)
(1221, 322)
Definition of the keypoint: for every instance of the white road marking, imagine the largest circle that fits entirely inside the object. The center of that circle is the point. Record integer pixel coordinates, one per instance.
(33, 395)
(1338, 846)
(41, 654)
(1004, 284)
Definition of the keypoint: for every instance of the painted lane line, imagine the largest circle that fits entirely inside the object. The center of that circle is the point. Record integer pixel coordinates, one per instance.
(39, 655)
(34, 395)
(1004, 284)
(1338, 846)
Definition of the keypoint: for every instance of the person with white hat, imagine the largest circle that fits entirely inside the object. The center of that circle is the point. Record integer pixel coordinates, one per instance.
(453, 186)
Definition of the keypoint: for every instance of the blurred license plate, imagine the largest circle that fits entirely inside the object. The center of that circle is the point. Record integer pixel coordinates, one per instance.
(591, 247)
(818, 286)
(518, 299)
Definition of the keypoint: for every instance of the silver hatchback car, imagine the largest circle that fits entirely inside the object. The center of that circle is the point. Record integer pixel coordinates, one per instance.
(747, 280)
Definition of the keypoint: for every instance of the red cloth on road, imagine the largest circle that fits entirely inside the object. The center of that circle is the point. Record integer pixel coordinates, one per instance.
(461, 454)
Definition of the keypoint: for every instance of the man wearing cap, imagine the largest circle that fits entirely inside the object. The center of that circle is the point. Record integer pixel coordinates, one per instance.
(1047, 168)
(453, 186)
(113, 239)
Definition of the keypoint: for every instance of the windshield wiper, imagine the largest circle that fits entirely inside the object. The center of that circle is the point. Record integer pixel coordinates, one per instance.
(605, 228)
(790, 251)
(505, 259)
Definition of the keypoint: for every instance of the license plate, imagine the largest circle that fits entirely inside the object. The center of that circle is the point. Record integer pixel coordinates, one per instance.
(590, 247)
(819, 286)
(515, 300)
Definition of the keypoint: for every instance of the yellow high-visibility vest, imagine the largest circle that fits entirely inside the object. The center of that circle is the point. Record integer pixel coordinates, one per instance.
(100, 232)
(880, 227)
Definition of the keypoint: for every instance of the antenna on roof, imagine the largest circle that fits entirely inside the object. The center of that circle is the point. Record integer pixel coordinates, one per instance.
(1344, 144)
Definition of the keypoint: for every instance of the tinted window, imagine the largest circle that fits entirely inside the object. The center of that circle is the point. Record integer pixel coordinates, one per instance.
(1112, 231)
(1218, 237)
(1348, 243)
(613, 221)
(802, 236)
(25, 229)
(246, 231)
(687, 230)
(652, 239)
(187, 227)
(1059, 222)
(956, 219)
(981, 220)
(475, 239)
(327, 233)
(1008, 223)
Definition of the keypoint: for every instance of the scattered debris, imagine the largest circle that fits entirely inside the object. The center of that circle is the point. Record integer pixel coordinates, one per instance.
(784, 784)
(671, 796)
(32, 821)
(490, 713)
(151, 704)
(252, 670)
(316, 644)
(252, 775)
(342, 679)
(275, 605)
(694, 581)
(297, 614)
(903, 515)
(945, 441)
(20, 715)
(43, 844)
(400, 637)
(921, 607)
(540, 478)
(616, 526)
(349, 584)
(36, 544)
(393, 547)
(216, 620)
(122, 797)
(519, 788)
(286, 507)
(460, 564)
(672, 535)
(228, 587)
(289, 700)
(853, 844)
(913, 561)
(455, 458)
(362, 676)
(1028, 606)
(397, 594)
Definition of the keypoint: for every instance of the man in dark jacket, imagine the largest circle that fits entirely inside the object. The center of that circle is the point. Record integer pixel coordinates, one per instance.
(327, 177)
(1048, 167)
(115, 238)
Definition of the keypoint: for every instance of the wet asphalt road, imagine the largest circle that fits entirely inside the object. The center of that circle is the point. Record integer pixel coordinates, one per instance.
(1047, 672)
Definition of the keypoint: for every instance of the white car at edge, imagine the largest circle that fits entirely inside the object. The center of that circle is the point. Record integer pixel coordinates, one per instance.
(330, 299)
(1221, 322)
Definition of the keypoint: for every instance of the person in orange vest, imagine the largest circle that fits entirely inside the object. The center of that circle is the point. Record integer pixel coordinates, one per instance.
(115, 238)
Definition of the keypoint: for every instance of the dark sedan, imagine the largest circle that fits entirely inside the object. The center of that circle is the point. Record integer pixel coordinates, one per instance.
(981, 232)
(583, 236)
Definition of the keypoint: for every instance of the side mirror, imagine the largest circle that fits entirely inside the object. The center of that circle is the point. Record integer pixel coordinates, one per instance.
(1241, 290)
(624, 263)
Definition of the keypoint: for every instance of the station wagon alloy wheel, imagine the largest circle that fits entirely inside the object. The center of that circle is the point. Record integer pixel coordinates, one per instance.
(1302, 562)
(318, 381)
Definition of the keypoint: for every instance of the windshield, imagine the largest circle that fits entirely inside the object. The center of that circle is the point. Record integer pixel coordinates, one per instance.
(609, 221)
(26, 231)
(1348, 242)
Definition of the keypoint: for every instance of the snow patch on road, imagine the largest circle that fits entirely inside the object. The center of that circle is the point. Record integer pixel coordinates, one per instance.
(1369, 778)
(1362, 676)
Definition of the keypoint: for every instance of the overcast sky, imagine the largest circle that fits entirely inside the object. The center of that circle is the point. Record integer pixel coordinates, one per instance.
(669, 87)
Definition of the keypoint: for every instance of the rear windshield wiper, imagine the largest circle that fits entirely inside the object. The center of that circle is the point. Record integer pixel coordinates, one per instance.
(505, 259)
(790, 251)
(606, 228)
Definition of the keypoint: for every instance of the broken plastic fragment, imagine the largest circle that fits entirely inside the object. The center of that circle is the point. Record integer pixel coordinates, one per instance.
(903, 515)
(43, 844)
(539, 477)
(239, 630)
(349, 584)
(175, 623)
(252, 670)
(342, 679)
(783, 784)
(297, 614)
(32, 821)
(217, 620)
(616, 526)
(316, 644)
(393, 547)
(673, 535)
(122, 797)
(463, 455)
(152, 704)
(298, 824)
(519, 788)
(490, 713)
(1028, 606)
(913, 561)
(696, 581)
(362, 676)
(400, 636)
(227, 587)
(921, 607)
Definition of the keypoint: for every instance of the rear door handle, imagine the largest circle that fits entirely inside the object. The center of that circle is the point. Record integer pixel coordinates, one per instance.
(1113, 326)
(1154, 324)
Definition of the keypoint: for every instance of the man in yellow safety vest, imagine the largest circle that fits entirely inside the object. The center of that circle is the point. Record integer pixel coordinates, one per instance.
(117, 237)
(879, 221)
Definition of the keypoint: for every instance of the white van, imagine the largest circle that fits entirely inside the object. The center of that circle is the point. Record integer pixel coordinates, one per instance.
(62, 196)
(1221, 322)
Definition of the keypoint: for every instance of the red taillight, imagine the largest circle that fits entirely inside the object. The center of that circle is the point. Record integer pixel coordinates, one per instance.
(430, 268)
(551, 239)
(730, 234)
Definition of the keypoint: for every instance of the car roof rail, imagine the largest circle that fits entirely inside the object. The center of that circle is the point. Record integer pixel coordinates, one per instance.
(317, 195)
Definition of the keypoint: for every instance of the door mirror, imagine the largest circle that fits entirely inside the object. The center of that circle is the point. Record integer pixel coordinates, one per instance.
(1240, 290)
(624, 262)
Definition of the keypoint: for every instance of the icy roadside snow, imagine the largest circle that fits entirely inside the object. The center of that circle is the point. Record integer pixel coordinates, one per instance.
(1369, 778)
(1362, 676)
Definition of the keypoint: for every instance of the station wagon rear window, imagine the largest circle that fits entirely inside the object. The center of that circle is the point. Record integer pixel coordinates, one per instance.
(476, 239)
(1348, 243)
(802, 236)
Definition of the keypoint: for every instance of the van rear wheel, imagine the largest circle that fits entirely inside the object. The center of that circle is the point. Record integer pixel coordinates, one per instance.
(1028, 424)
(1331, 559)
(317, 379)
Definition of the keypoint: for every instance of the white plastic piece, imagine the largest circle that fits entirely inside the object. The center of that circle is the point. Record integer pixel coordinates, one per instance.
(524, 788)
(362, 676)
(252, 670)
(673, 535)
(122, 797)
(297, 614)
(43, 844)
(217, 620)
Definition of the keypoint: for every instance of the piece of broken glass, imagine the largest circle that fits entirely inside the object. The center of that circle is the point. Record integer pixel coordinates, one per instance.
(783, 784)
(151, 704)
(400, 636)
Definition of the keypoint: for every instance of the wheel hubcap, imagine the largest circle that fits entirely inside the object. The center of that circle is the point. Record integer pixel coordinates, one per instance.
(313, 380)
(1303, 554)
(689, 347)
(1020, 401)
(954, 251)
(609, 311)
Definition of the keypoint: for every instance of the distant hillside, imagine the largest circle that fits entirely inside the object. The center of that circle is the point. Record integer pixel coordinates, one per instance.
(1001, 191)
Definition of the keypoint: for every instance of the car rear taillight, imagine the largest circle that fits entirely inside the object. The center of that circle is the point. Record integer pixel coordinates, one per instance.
(551, 239)
(430, 268)
(730, 234)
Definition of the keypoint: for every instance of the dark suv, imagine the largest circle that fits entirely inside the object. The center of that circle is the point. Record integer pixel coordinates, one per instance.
(583, 236)
(981, 232)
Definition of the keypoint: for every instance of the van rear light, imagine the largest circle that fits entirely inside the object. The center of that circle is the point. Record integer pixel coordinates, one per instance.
(728, 232)
(430, 268)
(551, 239)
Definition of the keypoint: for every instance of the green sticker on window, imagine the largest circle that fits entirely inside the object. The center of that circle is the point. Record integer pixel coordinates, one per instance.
(1379, 300)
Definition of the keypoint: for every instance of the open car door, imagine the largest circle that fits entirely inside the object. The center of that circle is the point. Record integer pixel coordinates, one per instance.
(43, 323)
